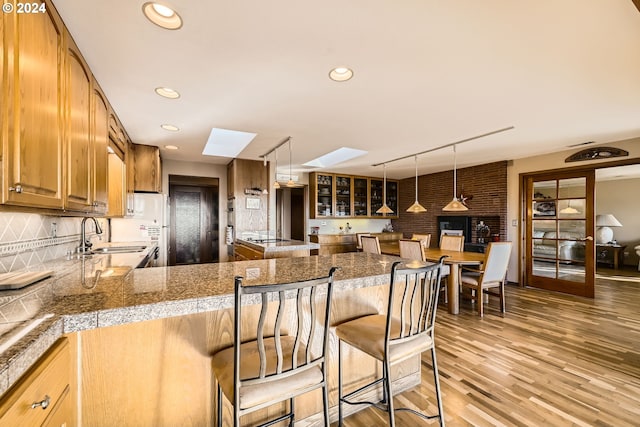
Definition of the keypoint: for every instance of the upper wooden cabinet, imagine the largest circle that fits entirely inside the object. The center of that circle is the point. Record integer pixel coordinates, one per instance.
(32, 111)
(78, 141)
(346, 196)
(147, 168)
(100, 152)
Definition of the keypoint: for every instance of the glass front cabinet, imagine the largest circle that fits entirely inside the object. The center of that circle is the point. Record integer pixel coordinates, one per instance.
(347, 196)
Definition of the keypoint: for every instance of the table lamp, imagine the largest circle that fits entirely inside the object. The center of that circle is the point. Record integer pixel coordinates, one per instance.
(604, 234)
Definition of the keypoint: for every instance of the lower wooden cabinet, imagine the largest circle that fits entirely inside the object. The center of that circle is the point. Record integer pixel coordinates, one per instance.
(333, 243)
(42, 396)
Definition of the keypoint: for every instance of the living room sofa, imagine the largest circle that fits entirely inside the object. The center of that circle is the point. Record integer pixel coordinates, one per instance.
(544, 245)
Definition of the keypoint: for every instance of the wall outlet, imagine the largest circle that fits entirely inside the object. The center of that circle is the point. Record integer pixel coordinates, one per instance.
(514, 222)
(323, 223)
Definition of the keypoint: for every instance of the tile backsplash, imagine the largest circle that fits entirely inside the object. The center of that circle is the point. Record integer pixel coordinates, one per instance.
(28, 240)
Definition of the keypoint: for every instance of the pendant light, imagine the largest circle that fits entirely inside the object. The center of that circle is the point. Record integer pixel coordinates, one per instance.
(416, 207)
(290, 183)
(455, 205)
(265, 163)
(276, 185)
(384, 209)
(570, 210)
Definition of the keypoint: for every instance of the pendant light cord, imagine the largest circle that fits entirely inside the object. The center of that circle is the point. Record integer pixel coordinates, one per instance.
(455, 164)
(416, 158)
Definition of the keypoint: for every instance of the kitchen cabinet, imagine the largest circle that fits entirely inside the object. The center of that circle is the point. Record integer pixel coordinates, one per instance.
(346, 196)
(42, 395)
(78, 142)
(129, 159)
(360, 197)
(147, 169)
(100, 144)
(32, 111)
(117, 189)
(333, 243)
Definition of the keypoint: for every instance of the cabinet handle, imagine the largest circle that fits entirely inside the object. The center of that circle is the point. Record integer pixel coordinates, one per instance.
(17, 188)
(44, 404)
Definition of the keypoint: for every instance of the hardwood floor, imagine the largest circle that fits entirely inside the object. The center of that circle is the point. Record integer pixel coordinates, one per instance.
(551, 360)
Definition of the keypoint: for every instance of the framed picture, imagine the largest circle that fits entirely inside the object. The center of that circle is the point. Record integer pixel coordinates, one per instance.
(253, 203)
(542, 209)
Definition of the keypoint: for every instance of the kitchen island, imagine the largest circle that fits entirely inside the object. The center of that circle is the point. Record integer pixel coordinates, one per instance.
(141, 342)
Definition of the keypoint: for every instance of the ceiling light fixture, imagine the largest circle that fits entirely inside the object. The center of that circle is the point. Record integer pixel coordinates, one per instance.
(384, 209)
(416, 207)
(290, 183)
(161, 15)
(166, 92)
(455, 205)
(171, 147)
(169, 127)
(341, 74)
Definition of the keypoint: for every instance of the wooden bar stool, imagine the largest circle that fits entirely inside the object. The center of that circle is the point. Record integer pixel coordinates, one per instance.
(396, 336)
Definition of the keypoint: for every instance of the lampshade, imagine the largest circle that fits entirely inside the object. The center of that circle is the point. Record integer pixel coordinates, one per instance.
(604, 234)
(384, 209)
(455, 205)
(607, 220)
(416, 207)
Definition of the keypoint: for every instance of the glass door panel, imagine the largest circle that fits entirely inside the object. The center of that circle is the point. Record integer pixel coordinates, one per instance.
(559, 246)
(325, 195)
(376, 196)
(360, 199)
(343, 196)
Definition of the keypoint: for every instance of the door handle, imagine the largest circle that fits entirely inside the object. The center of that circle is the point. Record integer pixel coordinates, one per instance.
(586, 238)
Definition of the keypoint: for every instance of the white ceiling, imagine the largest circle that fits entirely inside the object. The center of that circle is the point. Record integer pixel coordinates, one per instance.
(426, 73)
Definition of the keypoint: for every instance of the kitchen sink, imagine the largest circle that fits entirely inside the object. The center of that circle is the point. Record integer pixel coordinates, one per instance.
(118, 249)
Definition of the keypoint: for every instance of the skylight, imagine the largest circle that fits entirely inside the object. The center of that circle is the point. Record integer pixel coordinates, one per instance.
(337, 156)
(227, 143)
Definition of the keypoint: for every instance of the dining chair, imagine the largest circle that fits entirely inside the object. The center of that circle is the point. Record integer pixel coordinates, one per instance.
(276, 363)
(404, 331)
(449, 242)
(424, 238)
(411, 249)
(370, 244)
(359, 240)
(491, 275)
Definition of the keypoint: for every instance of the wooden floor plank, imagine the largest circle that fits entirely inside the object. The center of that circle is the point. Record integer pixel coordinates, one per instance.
(551, 359)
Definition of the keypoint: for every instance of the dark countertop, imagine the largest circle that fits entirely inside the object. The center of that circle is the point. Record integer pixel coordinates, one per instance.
(73, 300)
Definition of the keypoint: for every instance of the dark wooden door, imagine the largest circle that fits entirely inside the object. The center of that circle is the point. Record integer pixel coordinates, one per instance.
(194, 224)
(559, 232)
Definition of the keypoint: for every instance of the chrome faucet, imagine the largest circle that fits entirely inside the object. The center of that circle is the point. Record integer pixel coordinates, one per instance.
(85, 244)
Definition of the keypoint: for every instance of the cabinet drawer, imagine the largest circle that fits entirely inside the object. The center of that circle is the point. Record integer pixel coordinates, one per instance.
(48, 377)
(247, 253)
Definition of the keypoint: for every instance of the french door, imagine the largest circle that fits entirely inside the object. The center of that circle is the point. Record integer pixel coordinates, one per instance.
(559, 246)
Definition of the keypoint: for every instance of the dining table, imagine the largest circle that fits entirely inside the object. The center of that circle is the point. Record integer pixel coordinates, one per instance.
(454, 259)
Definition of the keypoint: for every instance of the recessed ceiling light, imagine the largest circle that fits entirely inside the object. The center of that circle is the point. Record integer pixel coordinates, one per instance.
(341, 74)
(161, 15)
(167, 92)
(171, 147)
(169, 127)
(337, 156)
(227, 143)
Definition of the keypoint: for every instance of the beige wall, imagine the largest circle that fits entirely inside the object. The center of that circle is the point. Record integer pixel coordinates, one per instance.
(621, 198)
(540, 163)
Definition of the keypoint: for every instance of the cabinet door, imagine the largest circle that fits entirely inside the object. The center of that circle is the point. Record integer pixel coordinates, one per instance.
(78, 141)
(360, 197)
(32, 110)
(392, 197)
(129, 162)
(147, 169)
(324, 195)
(100, 141)
(117, 189)
(344, 195)
(376, 196)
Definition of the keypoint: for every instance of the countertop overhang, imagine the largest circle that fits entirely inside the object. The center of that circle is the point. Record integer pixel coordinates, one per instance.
(76, 299)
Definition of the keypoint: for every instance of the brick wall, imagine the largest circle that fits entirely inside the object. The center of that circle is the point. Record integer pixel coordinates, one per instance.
(486, 183)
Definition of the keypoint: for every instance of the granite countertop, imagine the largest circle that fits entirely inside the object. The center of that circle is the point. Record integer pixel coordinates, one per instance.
(278, 245)
(78, 298)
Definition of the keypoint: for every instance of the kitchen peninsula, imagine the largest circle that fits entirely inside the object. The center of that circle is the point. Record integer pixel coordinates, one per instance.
(150, 332)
